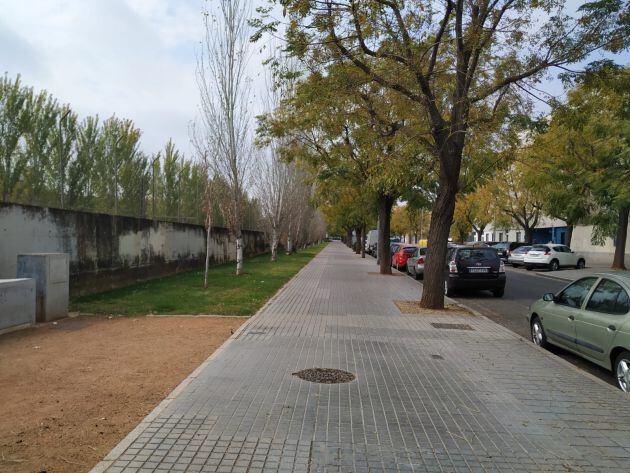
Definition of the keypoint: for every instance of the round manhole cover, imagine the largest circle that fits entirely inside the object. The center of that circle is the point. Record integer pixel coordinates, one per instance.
(325, 375)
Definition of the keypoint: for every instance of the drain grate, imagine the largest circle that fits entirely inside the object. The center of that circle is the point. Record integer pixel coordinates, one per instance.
(325, 375)
(452, 326)
(437, 357)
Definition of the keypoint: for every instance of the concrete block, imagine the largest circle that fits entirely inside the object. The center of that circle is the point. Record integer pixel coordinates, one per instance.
(17, 303)
(51, 272)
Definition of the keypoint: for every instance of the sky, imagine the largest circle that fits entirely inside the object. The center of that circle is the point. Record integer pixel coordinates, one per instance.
(132, 58)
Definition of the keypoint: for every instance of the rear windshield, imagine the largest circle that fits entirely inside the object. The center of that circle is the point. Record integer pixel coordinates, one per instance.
(540, 248)
(409, 250)
(522, 249)
(477, 253)
(500, 245)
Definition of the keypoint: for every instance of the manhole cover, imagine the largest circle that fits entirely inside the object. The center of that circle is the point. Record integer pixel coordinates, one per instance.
(452, 326)
(325, 375)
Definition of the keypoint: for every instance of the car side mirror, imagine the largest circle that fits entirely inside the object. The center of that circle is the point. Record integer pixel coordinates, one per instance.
(549, 297)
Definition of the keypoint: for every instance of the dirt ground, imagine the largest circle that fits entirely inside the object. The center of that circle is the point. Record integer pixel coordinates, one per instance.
(70, 391)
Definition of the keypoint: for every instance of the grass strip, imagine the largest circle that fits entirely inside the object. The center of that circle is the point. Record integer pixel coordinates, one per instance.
(184, 293)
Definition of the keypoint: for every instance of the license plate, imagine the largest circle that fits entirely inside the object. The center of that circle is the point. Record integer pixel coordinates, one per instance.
(477, 270)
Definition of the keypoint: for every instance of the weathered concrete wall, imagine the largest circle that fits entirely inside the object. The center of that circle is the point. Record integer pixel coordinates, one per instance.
(17, 303)
(107, 251)
(595, 254)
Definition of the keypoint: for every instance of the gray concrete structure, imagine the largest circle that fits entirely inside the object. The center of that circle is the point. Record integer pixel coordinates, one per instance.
(425, 399)
(108, 251)
(51, 272)
(17, 304)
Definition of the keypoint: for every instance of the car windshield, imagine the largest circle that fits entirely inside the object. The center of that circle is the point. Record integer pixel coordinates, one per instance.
(540, 248)
(477, 254)
(522, 249)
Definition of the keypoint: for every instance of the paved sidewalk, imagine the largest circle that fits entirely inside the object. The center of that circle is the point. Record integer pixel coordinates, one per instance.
(572, 274)
(425, 399)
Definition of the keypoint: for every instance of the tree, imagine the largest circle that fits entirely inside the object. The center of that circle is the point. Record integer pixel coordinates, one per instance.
(15, 120)
(454, 73)
(222, 81)
(476, 209)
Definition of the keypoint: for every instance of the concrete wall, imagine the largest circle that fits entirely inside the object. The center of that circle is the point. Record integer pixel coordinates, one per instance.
(17, 303)
(107, 251)
(594, 254)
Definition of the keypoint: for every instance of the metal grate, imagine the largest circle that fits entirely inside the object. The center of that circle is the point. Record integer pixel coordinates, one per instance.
(452, 326)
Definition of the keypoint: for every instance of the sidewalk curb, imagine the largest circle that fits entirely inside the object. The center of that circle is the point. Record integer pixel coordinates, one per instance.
(545, 352)
(119, 449)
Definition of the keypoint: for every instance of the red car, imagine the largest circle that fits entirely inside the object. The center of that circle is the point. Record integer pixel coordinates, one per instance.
(399, 259)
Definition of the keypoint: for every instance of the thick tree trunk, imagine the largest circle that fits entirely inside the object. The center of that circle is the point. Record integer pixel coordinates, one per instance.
(479, 234)
(289, 244)
(529, 235)
(569, 236)
(622, 234)
(239, 255)
(357, 241)
(349, 238)
(363, 241)
(441, 219)
(207, 268)
(385, 204)
(274, 244)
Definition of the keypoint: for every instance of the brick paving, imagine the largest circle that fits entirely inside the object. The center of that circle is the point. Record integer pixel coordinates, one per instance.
(425, 399)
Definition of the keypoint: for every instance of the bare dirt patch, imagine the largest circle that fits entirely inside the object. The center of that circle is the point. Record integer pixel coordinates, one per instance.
(325, 375)
(70, 391)
(413, 307)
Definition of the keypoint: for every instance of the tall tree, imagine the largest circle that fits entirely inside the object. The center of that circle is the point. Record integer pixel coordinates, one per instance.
(224, 89)
(454, 72)
(15, 120)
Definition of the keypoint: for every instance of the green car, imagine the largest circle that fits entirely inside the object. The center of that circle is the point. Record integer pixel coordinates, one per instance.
(591, 318)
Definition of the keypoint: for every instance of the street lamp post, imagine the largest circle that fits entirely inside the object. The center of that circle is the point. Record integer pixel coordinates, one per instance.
(60, 151)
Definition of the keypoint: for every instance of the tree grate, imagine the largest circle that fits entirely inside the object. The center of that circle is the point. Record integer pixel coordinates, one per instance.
(325, 375)
(452, 326)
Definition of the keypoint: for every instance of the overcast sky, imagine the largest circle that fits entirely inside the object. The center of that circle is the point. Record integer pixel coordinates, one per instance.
(132, 58)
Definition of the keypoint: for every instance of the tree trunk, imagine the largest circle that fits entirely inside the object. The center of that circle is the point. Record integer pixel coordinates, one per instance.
(357, 241)
(622, 235)
(385, 203)
(349, 238)
(529, 235)
(239, 255)
(363, 241)
(480, 235)
(289, 244)
(274, 244)
(569, 235)
(207, 268)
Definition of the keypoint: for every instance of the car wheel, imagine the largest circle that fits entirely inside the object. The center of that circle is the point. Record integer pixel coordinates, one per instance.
(580, 264)
(498, 292)
(528, 268)
(538, 333)
(622, 371)
(554, 266)
(448, 290)
(515, 265)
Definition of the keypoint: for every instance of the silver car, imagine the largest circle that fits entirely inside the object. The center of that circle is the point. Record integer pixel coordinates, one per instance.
(415, 263)
(517, 256)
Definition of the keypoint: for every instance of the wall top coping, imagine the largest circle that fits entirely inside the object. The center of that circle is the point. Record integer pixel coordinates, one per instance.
(14, 282)
(43, 254)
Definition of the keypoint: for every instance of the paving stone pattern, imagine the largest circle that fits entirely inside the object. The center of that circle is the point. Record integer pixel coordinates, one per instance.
(425, 399)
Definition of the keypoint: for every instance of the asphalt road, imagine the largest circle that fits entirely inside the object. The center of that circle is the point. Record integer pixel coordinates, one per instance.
(521, 290)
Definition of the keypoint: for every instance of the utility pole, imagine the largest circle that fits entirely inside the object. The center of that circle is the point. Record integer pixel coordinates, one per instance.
(60, 152)
(153, 192)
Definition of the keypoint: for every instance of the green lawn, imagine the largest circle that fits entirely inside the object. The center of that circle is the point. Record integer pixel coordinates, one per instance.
(184, 293)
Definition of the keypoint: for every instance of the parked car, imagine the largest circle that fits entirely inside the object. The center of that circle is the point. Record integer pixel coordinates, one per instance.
(517, 256)
(504, 248)
(474, 268)
(553, 257)
(393, 248)
(591, 318)
(415, 262)
(399, 259)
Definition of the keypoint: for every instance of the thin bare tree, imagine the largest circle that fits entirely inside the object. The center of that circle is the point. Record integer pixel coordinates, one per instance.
(225, 100)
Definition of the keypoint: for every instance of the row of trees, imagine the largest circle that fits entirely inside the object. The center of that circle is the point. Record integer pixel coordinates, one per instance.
(414, 100)
(49, 157)
(572, 164)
